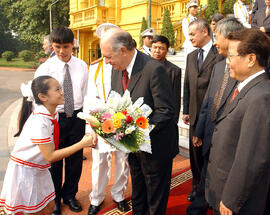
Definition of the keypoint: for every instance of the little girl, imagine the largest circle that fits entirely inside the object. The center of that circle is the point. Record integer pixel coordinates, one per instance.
(28, 186)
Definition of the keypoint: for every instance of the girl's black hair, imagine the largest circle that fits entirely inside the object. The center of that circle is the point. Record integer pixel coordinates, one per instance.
(39, 85)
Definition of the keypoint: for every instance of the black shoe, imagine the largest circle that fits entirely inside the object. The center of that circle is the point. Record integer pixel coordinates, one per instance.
(93, 210)
(74, 205)
(191, 196)
(57, 208)
(123, 206)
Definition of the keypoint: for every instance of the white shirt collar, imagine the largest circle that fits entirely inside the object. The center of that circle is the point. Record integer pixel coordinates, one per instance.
(62, 62)
(131, 64)
(242, 84)
(41, 109)
(191, 17)
(206, 48)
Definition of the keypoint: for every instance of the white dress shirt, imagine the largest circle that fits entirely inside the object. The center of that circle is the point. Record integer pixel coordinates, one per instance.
(242, 84)
(241, 13)
(147, 50)
(78, 72)
(206, 48)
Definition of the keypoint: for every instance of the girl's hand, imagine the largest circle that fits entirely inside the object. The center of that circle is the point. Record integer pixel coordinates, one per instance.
(87, 141)
(95, 138)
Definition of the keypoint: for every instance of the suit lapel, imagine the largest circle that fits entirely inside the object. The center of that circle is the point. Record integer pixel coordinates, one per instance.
(116, 81)
(209, 58)
(227, 92)
(231, 106)
(136, 72)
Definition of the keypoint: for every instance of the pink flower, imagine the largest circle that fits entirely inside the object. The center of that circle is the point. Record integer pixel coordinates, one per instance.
(118, 136)
(106, 116)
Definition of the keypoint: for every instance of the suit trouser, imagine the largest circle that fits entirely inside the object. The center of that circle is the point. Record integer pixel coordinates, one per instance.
(71, 130)
(199, 205)
(151, 180)
(196, 159)
(101, 167)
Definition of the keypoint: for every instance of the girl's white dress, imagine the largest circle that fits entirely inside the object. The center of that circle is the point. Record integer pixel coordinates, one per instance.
(28, 186)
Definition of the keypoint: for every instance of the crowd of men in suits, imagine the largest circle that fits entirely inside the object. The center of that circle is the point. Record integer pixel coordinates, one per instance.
(220, 119)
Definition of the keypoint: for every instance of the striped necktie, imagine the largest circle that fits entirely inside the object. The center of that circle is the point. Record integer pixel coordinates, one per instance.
(68, 93)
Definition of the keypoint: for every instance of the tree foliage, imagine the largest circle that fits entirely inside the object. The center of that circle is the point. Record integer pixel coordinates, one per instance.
(228, 6)
(29, 19)
(211, 9)
(143, 27)
(167, 27)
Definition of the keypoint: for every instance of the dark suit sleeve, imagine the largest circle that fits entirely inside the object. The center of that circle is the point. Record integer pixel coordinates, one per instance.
(204, 111)
(162, 94)
(254, 9)
(186, 96)
(252, 157)
(177, 90)
(254, 21)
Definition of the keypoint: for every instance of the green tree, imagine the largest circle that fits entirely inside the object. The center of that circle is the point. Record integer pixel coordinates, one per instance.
(143, 27)
(167, 27)
(30, 18)
(211, 9)
(228, 6)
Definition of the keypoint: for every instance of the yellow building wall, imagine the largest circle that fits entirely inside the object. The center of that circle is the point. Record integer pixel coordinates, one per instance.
(86, 15)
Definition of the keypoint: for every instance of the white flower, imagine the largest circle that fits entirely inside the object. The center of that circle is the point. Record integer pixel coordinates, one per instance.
(146, 110)
(91, 119)
(130, 129)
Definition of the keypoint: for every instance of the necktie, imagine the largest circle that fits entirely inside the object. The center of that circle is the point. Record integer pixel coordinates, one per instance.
(200, 59)
(55, 133)
(125, 79)
(68, 93)
(219, 94)
(235, 93)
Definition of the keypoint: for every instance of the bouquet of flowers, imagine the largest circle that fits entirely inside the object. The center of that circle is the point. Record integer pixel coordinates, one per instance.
(121, 123)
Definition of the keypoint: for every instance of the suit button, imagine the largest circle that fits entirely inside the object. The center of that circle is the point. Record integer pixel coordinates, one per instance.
(215, 129)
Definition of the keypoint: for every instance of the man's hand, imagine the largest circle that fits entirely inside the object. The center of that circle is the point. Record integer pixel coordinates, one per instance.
(224, 210)
(262, 29)
(185, 118)
(94, 138)
(196, 141)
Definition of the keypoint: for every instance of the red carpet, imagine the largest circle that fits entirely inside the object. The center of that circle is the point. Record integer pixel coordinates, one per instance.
(177, 204)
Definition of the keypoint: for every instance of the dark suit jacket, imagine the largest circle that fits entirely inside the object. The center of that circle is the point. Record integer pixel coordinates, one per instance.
(238, 168)
(196, 83)
(260, 20)
(257, 5)
(174, 73)
(150, 81)
(205, 126)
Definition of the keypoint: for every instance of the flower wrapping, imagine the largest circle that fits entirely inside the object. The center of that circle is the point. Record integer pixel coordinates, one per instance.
(120, 122)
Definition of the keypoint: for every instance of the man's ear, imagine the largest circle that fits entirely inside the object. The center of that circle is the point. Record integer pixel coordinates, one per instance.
(123, 49)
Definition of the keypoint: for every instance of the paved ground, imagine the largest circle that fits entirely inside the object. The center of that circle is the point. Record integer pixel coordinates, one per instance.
(10, 80)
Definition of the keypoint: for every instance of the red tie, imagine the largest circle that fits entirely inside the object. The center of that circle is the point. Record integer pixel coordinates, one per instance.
(55, 133)
(235, 93)
(125, 79)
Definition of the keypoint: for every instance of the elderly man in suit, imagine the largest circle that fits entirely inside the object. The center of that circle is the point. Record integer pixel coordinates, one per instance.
(261, 19)
(198, 71)
(219, 91)
(160, 47)
(145, 77)
(238, 176)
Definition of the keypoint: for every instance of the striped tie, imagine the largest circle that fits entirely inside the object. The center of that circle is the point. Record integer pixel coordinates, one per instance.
(68, 93)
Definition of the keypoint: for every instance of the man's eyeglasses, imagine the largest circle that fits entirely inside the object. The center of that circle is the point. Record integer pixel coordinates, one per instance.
(230, 56)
